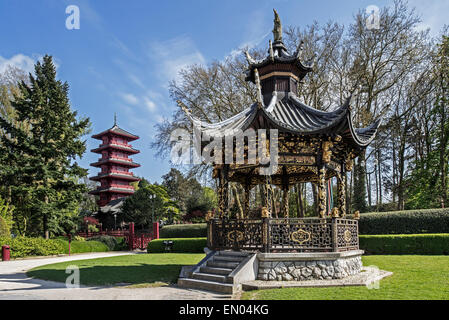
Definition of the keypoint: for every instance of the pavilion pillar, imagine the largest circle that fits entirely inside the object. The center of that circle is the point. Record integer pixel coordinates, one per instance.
(341, 186)
(322, 191)
(246, 203)
(223, 190)
(285, 207)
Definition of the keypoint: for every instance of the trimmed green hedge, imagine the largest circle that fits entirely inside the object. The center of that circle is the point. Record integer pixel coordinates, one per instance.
(405, 222)
(21, 247)
(180, 245)
(425, 244)
(195, 230)
(83, 246)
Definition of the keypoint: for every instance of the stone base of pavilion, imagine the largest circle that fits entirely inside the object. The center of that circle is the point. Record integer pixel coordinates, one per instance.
(309, 266)
(369, 276)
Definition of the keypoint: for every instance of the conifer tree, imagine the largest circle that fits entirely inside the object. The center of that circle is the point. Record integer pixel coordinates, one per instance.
(41, 162)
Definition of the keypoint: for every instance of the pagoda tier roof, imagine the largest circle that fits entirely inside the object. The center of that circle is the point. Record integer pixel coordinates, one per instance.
(117, 161)
(278, 54)
(288, 114)
(116, 130)
(112, 190)
(115, 146)
(115, 176)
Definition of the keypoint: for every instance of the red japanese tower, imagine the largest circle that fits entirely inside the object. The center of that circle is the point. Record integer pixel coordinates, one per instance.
(115, 165)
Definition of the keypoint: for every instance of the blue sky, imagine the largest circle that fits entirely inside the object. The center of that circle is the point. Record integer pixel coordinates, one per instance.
(125, 52)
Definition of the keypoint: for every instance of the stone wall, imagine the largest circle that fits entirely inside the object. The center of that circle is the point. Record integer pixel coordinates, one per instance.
(309, 270)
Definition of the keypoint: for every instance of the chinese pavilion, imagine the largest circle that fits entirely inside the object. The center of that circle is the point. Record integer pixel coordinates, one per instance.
(115, 164)
(311, 146)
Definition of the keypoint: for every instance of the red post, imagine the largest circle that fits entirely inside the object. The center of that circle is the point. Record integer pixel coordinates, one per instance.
(131, 236)
(6, 253)
(155, 230)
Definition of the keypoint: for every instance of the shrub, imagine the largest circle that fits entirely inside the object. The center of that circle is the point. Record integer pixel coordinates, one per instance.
(109, 241)
(83, 246)
(92, 228)
(180, 245)
(405, 222)
(78, 238)
(121, 244)
(27, 247)
(4, 228)
(184, 231)
(432, 244)
(23, 247)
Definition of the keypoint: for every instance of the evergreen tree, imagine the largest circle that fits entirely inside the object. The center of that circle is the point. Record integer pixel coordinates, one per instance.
(359, 196)
(40, 163)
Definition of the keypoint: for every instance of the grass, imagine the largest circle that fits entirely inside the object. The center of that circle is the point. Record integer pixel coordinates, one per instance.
(140, 269)
(415, 278)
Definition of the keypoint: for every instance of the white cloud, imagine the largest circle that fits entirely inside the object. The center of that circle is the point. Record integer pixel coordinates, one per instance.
(173, 55)
(434, 14)
(130, 98)
(150, 105)
(20, 61)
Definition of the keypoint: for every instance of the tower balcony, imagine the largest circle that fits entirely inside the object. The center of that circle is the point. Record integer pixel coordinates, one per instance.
(117, 146)
(125, 162)
(115, 174)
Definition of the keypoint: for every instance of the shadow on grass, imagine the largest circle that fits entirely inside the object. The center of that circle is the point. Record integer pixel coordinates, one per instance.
(112, 275)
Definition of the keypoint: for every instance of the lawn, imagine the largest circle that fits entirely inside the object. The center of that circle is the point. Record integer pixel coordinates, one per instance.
(139, 269)
(415, 278)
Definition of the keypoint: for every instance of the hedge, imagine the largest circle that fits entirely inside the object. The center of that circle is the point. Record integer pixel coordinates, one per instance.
(24, 247)
(195, 230)
(84, 246)
(425, 244)
(180, 245)
(21, 247)
(405, 222)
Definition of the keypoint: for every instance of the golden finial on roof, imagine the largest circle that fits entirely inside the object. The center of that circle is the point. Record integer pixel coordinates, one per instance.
(277, 30)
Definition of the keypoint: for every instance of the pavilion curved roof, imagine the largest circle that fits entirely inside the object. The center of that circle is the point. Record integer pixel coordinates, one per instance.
(287, 113)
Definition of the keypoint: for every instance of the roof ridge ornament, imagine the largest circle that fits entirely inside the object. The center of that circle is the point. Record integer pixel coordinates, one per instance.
(277, 30)
(184, 108)
(271, 51)
(259, 89)
(300, 49)
(249, 59)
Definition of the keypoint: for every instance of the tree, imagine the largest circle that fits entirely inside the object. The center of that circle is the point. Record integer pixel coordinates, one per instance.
(141, 209)
(387, 71)
(39, 165)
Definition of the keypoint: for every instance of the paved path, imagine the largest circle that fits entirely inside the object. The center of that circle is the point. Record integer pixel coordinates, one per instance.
(15, 284)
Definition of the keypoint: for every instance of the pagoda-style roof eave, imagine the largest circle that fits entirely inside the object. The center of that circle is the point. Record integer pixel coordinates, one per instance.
(369, 131)
(111, 190)
(123, 163)
(115, 176)
(116, 131)
(117, 147)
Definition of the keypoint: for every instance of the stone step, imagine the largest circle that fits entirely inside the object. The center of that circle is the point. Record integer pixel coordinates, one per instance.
(222, 264)
(220, 271)
(234, 253)
(209, 277)
(228, 258)
(207, 285)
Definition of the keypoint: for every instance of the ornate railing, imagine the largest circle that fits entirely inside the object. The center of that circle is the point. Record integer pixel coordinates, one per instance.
(284, 234)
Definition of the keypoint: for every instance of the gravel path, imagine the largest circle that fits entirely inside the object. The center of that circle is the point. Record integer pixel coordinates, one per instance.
(15, 284)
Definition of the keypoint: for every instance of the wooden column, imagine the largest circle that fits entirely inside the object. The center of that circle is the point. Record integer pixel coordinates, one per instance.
(341, 186)
(223, 189)
(285, 207)
(322, 191)
(246, 203)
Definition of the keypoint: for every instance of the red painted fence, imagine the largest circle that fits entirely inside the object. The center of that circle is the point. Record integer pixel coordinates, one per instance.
(133, 239)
